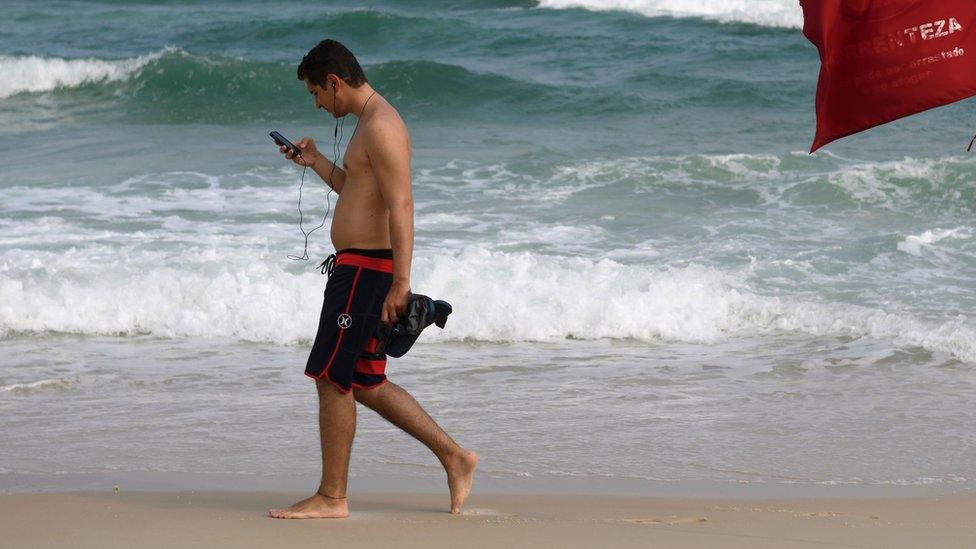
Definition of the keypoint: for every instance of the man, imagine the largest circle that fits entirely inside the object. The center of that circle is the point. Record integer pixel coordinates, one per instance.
(372, 229)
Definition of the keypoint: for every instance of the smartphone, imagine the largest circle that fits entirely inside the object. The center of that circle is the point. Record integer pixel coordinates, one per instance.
(282, 142)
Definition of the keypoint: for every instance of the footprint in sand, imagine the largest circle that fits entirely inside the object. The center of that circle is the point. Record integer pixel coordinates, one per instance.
(823, 514)
(668, 520)
(486, 513)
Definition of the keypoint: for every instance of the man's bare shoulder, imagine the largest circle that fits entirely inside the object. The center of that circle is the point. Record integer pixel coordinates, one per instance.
(386, 128)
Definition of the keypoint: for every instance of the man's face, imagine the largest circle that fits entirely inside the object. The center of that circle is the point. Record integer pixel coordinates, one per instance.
(321, 99)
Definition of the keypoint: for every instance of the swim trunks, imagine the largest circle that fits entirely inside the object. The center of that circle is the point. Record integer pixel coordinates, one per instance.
(345, 348)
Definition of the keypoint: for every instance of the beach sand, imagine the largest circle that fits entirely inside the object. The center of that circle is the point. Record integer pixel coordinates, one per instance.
(238, 519)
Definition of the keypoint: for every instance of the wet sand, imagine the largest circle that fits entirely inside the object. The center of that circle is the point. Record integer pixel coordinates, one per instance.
(403, 520)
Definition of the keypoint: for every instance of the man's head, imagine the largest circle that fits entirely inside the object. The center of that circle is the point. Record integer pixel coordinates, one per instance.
(330, 72)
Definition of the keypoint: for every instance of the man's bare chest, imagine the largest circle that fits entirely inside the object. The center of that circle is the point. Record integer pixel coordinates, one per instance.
(356, 162)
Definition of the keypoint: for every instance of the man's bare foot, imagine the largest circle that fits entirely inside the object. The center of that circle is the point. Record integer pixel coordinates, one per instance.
(317, 506)
(460, 475)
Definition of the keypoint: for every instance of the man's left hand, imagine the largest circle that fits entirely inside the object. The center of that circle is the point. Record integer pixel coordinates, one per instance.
(395, 304)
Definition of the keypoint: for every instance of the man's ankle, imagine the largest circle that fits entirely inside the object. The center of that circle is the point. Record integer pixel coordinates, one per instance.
(453, 456)
(327, 496)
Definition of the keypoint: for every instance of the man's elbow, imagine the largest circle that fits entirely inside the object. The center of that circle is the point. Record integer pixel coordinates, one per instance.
(403, 206)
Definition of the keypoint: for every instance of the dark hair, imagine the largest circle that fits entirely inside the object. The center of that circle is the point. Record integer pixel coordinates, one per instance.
(331, 57)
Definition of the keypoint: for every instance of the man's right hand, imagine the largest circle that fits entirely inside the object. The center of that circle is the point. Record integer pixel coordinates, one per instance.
(310, 154)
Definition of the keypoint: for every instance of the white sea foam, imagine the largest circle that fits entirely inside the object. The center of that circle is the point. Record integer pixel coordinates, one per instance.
(41, 384)
(771, 13)
(903, 185)
(39, 74)
(497, 296)
(913, 244)
(884, 183)
(184, 272)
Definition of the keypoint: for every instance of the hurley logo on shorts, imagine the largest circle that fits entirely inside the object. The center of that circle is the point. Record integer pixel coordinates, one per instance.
(344, 321)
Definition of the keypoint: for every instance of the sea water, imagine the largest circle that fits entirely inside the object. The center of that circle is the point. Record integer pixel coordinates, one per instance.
(652, 280)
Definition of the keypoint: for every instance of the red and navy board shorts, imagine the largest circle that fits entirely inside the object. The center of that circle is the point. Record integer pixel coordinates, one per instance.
(345, 346)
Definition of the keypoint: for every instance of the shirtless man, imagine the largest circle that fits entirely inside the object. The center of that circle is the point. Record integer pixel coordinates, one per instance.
(372, 229)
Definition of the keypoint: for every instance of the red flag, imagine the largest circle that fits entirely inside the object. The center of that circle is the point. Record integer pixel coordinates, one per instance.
(881, 60)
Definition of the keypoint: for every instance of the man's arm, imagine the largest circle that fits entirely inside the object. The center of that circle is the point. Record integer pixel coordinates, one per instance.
(388, 147)
(321, 165)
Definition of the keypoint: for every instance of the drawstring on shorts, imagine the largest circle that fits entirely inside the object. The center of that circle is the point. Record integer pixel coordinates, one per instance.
(328, 265)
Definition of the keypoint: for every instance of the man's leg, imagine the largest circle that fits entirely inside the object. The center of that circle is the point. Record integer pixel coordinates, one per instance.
(398, 407)
(337, 427)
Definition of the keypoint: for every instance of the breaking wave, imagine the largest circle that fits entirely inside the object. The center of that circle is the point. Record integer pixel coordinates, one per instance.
(497, 297)
(768, 13)
(32, 74)
(173, 86)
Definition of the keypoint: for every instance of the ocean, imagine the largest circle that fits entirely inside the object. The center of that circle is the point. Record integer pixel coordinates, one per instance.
(655, 286)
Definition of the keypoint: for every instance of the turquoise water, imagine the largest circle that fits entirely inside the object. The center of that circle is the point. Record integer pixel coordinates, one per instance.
(619, 205)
